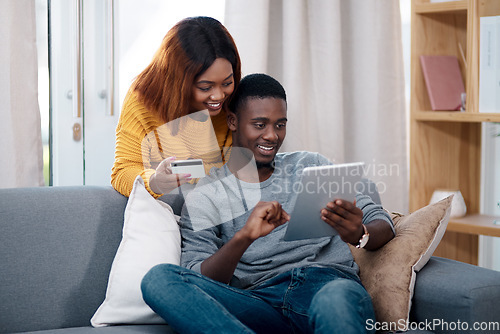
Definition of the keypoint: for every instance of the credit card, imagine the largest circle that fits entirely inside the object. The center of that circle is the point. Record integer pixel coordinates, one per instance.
(192, 166)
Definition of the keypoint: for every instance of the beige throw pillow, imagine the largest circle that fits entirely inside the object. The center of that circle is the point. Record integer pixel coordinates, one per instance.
(389, 273)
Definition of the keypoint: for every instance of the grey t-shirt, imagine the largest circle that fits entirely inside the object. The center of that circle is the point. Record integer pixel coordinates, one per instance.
(220, 205)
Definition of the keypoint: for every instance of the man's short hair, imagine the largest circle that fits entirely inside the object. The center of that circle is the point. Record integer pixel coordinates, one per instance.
(256, 86)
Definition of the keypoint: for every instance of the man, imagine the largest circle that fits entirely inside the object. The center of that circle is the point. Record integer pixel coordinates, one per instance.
(237, 274)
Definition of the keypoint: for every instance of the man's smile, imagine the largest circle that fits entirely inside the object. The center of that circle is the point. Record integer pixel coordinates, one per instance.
(266, 149)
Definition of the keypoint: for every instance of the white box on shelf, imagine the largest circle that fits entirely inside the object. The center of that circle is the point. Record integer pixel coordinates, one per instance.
(489, 64)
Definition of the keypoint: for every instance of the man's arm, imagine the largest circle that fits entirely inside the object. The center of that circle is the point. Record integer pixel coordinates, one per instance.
(347, 219)
(380, 234)
(266, 216)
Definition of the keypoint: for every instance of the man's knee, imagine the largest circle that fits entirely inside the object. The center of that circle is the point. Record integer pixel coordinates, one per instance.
(342, 303)
(340, 292)
(160, 276)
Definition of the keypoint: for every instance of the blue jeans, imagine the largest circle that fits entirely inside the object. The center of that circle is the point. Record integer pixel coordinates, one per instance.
(303, 300)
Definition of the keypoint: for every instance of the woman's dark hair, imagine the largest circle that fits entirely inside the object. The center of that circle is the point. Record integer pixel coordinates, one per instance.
(188, 49)
(256, 86)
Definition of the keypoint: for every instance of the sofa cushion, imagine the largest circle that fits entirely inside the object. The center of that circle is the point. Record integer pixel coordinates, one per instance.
(150, 236)
(389, 273)
(452, 291)
(132, 329)
(57, 245)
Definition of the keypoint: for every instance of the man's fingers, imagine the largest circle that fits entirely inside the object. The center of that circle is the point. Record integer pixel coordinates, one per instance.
(335, 221)
(341, 212)
(344, 209)
(277, 212)
(332, 217)
(273, 212)
(285, 215)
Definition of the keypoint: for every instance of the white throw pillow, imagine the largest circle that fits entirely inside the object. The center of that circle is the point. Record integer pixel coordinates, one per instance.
(150, 236)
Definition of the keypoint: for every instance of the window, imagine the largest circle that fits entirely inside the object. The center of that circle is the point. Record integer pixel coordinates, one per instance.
(139, 27)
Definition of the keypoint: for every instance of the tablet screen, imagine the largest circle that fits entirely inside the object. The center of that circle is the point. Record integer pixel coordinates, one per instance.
(320, 185)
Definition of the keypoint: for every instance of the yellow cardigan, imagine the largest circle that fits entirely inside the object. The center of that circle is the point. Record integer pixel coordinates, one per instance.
(143, 141)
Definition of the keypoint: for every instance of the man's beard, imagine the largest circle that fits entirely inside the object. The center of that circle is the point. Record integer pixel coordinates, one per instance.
(264, 164)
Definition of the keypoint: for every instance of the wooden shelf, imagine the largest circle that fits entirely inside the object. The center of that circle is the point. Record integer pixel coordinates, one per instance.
(476, 224)
(445, 146)
(440, 7)
(455, 116)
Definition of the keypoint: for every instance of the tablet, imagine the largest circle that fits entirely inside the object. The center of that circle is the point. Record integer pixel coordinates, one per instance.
(318, 186)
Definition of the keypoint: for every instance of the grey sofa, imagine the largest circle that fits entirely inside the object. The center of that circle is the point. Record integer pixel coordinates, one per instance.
(57, 245)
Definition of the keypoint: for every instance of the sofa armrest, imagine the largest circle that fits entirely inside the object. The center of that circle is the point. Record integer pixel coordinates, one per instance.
(449, 293)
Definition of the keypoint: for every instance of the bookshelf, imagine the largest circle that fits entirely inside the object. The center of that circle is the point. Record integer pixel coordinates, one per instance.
(445, 146)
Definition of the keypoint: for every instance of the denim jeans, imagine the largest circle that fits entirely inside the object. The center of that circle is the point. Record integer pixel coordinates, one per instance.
(303, 300)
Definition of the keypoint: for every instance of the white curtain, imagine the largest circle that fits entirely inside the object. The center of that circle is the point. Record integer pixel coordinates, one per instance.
(20, 132)
(341, 63)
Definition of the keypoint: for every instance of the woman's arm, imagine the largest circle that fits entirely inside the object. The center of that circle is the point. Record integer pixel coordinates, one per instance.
(134, 124)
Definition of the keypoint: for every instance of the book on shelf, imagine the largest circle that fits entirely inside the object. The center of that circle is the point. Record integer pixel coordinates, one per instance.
(489, 64)
(444, 82)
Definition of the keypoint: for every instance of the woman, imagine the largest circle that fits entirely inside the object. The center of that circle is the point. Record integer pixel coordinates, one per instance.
(197, 67)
